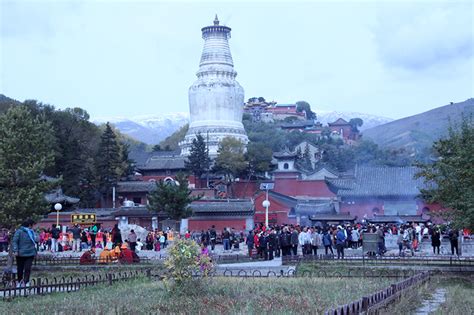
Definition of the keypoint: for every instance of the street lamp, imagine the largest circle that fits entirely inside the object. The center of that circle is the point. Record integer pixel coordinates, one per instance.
(266, 204)
(58, 208)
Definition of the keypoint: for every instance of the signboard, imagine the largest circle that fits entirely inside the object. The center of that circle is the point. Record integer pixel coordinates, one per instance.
(83, 218)
(370, 242)
(267, 186)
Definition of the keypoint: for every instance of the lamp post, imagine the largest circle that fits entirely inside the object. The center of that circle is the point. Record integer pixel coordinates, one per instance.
(58, 208)
(266, 204)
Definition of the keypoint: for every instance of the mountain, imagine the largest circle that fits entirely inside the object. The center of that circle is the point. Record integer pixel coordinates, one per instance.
(6, 103)
(418, 132)
(151, 129)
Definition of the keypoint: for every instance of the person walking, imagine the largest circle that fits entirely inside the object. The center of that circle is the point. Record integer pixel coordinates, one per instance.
(285, 241)
(272, 243)
(315, 242)
(249, 242)
(93, 233)
(355, 237)
(453, 239)
(340, 242)
(436, 240)
(76, 238)
(132, 240)
(213, 237)
(24, 248)
(327, 242)
(294, 242)
(226, 240)
(116, 236)
(55, 233)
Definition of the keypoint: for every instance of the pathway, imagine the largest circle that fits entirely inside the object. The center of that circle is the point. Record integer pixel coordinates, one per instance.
(263, 268)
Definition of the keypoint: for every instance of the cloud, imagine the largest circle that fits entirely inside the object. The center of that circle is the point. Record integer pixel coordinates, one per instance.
(422, 35)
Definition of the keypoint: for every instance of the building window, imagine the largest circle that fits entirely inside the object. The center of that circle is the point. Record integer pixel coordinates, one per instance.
(286, 166)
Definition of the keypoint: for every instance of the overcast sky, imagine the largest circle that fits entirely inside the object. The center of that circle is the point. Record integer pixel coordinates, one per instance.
(127, 58)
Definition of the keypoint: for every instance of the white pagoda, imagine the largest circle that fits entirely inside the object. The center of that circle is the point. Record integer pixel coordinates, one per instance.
(216, 99)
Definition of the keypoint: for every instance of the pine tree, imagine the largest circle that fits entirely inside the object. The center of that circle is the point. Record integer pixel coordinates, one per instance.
(26, 151)
(109, 162)
(127, 163)
(198, 161)
(307, 164)
(172, 197)
(450, 180)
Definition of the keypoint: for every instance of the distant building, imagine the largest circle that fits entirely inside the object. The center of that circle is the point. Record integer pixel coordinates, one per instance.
(282, 111)
(344, 130)
(257, 109)
(383, 193)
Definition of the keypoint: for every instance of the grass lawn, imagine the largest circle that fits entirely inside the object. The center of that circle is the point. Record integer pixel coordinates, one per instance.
(218, 295)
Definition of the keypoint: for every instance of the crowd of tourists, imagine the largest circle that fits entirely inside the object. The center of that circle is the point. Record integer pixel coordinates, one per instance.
(79, 239)
(285, 240)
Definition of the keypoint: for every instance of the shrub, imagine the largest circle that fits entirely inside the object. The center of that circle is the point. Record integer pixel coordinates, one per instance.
(184, 263)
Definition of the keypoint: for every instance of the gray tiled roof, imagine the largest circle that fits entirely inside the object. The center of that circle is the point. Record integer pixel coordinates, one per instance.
(379, 181)
(58, 196)
(160, 162)
(221, 206)
(135, 186)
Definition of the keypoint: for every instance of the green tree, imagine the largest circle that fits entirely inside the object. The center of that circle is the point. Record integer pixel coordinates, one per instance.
(259, 157)
(355, 123)
(450, 180)
(109, 162)
(303, 106)
(172, 197)
(198, 161)
(230, 160)
(26, 151)
(126, 163)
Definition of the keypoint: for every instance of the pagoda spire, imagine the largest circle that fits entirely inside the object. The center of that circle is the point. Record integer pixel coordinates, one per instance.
(216, 21)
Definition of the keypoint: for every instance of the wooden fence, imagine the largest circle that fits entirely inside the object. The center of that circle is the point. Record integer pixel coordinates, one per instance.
(372, 303)
(41, 286)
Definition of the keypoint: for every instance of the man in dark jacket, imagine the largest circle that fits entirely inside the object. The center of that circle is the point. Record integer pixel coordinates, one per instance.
(278, 244)
(55, 232)
(272, 243)
(213, 237)
(285, 241)
(263, 243)
(76, 238)
(205, 238)
(453, 239)
(249, 242)
(24, 248)
(294, 242)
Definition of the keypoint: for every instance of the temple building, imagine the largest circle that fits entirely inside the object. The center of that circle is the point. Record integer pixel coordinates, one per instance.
(216, 99)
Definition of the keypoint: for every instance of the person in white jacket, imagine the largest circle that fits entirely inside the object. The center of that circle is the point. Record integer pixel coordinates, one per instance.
(304, 239)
